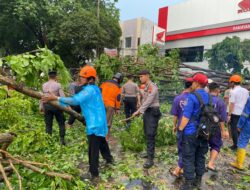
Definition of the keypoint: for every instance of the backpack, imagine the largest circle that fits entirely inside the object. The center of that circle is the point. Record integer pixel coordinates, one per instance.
(209, 118)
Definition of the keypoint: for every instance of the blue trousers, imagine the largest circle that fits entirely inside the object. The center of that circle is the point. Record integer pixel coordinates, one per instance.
(244, 137)
(194, 151)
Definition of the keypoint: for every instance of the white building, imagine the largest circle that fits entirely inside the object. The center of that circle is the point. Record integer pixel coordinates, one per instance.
(135, 32)
(195, 25)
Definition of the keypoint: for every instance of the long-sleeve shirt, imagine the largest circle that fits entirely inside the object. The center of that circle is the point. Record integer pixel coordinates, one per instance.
(93, 110)
(150, 97)
(244, 121)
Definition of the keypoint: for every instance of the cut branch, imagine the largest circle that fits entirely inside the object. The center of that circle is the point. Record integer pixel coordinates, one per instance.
(6, 180)
(31, 93)
(17, 173)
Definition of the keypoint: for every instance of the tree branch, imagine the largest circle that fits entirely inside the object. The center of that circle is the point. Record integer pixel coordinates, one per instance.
(37, 95)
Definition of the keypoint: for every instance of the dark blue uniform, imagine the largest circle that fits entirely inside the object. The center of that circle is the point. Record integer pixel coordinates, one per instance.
(193, 149)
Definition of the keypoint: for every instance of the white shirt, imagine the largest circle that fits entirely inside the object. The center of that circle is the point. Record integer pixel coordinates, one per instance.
(238, 96)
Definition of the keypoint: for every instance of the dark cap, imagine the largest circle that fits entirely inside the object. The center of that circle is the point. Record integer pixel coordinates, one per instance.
(52, 73)
(144, 72)
(213, 86)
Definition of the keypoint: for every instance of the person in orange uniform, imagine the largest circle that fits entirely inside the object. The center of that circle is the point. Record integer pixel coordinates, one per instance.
(111, 94)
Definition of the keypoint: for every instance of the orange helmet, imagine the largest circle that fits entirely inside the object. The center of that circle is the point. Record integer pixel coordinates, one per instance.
(88, 71)
(235, 78)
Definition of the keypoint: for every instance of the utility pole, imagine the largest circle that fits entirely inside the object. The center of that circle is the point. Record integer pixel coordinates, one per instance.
(98, 10)
(98, 18)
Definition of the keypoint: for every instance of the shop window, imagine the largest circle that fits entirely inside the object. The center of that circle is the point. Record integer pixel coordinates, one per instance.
(191, 54)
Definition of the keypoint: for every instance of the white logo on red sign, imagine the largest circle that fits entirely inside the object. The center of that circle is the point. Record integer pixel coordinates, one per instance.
(244, 6)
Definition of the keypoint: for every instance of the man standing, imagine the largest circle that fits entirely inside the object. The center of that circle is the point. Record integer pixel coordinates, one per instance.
(244, 128)
(180, 101)
(237, 101)
(93, 110)
(130, 97)
(194, 148)
(111, 94)
(150, 109)
(215, 142)
(52, 86)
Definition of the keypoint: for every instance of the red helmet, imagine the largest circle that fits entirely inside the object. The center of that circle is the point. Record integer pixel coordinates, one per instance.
(88, 71)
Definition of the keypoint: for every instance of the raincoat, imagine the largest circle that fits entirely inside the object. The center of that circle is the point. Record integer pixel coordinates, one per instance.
(93, 110)
(244, 126)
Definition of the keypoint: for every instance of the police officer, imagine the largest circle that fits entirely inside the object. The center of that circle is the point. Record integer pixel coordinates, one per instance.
(52, 86)
(243, 140)
(130, 97)
(150, 109)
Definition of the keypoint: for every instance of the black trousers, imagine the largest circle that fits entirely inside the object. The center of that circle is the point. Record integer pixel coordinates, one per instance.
(130, 104)
(150, 123)
(49, 114)
(194, 152)
(233, 128)
(96, 144)
(71, 117)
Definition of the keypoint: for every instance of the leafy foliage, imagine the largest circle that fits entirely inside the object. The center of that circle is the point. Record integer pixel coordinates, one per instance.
(107, 66)
(27, 67)
(69, 27)
(229, 55)
(134, 139)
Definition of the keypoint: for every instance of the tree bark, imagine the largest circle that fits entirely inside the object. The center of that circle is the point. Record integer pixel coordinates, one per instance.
(37, 95)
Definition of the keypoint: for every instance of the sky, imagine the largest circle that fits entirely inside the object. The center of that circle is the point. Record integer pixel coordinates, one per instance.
(130, 9)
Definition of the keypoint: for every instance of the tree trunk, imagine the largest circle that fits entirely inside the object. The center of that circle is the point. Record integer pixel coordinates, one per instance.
(37, 95)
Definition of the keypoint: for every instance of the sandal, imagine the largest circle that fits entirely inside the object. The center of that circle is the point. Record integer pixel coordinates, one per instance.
(172, 172)
(212, 170)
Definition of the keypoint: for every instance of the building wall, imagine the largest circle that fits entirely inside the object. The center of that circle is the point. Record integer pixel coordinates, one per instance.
(206, 41)
(136, 28)
(194, 14)
(204, 23)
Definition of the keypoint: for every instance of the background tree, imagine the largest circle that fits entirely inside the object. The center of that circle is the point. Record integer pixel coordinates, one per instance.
(68, 27)
(229, 55)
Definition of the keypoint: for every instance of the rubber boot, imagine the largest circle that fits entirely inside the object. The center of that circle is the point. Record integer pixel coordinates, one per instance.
(187, 185)
(240, 159)
(149, 163)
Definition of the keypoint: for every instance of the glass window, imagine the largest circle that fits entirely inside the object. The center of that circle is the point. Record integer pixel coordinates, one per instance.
(128, 42)
(191, 54)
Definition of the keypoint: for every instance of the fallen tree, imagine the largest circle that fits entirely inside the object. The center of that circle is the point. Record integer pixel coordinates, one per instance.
(8, 162)
(34, 94)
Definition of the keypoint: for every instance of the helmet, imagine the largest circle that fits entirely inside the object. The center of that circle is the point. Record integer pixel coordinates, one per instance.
(235, 78)
(88, 71)
(210, 81)
(119, 77)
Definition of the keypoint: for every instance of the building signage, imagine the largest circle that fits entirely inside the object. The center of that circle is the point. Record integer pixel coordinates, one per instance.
(244, 6)
(159, 35)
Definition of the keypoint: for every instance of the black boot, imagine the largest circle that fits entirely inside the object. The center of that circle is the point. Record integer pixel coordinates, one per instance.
(110, 161)
(144, 155)
(188, 185)
(62, 141)
(149, 163)
(197, 182)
